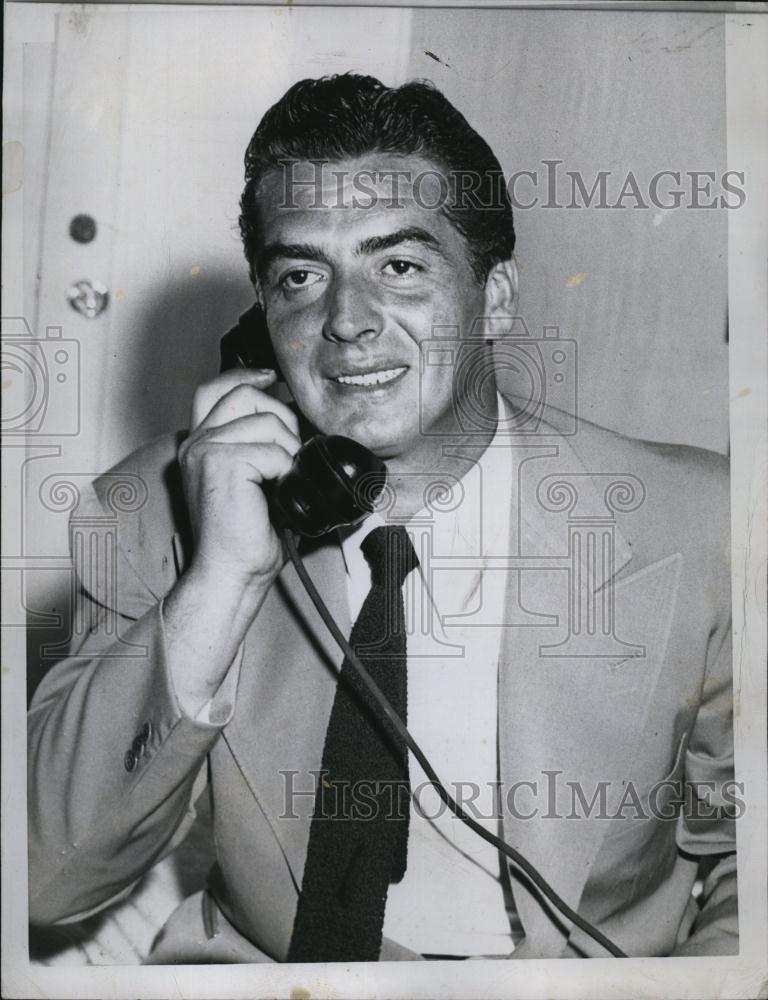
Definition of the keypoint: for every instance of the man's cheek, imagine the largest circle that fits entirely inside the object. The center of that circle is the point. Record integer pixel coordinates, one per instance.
(436, 388)
(294, 354)
(413, 315)
(290, 352)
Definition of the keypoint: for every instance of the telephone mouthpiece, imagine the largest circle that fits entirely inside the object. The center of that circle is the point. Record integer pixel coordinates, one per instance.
(333, 481)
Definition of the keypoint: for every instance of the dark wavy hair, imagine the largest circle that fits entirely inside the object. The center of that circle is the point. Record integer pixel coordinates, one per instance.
(348, 115)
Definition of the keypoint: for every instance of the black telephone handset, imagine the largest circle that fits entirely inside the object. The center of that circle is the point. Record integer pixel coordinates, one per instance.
(247, 344)
(333, 481)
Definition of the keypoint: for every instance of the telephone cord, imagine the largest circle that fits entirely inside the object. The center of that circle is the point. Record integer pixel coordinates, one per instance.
(515, 856)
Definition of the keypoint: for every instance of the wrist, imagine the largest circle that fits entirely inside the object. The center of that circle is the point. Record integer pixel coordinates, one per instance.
(209, 597)
(205, 617)
(226, 583)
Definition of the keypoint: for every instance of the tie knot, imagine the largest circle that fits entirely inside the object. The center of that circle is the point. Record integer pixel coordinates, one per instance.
(390, 555)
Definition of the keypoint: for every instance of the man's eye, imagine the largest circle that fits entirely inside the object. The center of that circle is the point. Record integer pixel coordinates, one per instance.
(401, 268)
(300, 278)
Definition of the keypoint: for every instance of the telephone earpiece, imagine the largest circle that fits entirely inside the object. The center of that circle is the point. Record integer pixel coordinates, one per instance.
(247, 344)
(333, 480)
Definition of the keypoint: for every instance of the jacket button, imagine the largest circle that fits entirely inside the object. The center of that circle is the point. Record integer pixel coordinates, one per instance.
(138, 747)
(145, 732)
(130, 760)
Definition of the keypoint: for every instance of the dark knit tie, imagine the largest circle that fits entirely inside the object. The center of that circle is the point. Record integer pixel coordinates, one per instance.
(358, 837)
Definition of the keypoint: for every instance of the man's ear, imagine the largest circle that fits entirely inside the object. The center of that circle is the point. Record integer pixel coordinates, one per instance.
(501, 290)
(258, 291)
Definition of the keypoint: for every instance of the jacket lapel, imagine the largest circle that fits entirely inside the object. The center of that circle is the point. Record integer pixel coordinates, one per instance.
(287, 686)
(573, 696)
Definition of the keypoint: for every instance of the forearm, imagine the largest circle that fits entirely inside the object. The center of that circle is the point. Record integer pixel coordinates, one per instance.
(206, 616)
(99, 818)
(716, 929)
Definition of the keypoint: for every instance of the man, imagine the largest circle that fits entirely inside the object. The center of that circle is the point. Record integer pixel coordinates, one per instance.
(566, 609)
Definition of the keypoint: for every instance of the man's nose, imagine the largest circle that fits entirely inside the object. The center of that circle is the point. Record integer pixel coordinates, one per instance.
(352, 311)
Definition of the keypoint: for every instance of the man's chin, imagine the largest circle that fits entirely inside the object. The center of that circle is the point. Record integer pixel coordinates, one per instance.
(380, 444)
(381, 437)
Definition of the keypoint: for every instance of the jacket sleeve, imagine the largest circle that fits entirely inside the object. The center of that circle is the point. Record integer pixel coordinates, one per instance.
(707, 827)
(114, 765)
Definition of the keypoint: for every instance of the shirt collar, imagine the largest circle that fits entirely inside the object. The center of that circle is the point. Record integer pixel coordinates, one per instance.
(464, 521)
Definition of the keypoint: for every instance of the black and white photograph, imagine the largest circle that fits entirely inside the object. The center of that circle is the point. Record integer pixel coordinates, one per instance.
(384, 506)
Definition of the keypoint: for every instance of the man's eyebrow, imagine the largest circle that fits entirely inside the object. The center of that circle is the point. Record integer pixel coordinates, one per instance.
(289, 251)
(410, 234)
(373, 244)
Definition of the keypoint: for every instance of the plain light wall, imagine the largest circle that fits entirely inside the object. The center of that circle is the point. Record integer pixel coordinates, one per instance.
(642, 291)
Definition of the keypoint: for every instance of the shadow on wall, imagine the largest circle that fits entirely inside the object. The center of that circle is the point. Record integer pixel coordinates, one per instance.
(177, 348)
(172, 346)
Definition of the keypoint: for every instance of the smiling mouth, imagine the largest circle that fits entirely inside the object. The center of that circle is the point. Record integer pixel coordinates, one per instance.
(371, 378)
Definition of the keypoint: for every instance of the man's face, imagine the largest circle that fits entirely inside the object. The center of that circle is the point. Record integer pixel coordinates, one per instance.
(352, 288)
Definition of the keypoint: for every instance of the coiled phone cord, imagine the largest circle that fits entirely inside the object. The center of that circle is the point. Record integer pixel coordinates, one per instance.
(417, 752)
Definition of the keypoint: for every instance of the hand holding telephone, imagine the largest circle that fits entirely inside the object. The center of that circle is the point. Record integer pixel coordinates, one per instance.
(335, 481)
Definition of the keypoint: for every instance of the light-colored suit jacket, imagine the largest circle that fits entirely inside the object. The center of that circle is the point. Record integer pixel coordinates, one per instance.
(614, 685)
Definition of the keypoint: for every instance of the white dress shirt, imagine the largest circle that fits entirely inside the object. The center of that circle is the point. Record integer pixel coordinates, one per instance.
(451, 900)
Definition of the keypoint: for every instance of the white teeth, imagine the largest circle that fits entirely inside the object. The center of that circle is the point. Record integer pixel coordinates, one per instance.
(370, 378)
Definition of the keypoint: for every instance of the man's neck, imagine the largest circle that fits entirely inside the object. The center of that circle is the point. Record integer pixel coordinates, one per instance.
(437, 457)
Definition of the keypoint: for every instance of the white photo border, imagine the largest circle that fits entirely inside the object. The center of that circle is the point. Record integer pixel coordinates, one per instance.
(743, 975)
